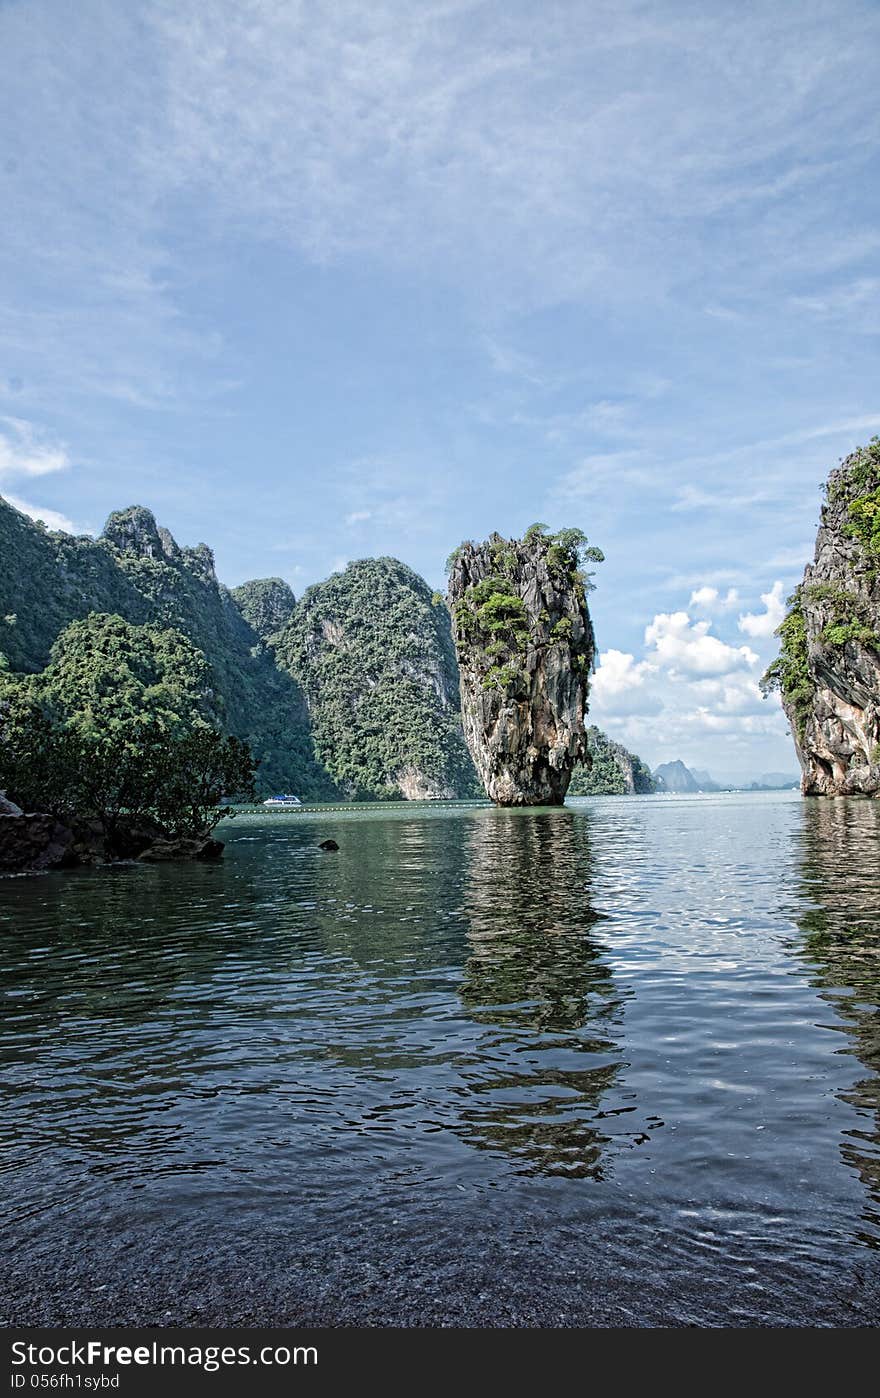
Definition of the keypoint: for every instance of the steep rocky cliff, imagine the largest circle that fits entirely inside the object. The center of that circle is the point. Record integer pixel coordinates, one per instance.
(137, 571)
(525, 647)
(675, 776)
(828, 672)
(612, 770)
(372, 651)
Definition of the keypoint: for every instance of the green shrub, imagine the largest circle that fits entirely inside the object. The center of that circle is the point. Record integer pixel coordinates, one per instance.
(117, 725)
(789, 673)
(864, 521)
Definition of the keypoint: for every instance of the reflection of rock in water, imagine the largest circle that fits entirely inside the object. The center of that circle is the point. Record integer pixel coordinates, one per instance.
(841, 872)
(536, 973)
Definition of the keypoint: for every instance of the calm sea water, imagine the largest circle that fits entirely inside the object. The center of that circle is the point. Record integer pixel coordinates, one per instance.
(617, 1063)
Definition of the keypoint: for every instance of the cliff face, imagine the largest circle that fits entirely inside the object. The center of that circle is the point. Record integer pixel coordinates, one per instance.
(137, 571)
(612, 771)
(525, 648)
(828, 672)
(372, 651)
(675, 776)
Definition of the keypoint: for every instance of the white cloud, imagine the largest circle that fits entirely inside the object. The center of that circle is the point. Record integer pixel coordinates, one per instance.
(618, 672)
(710, 600)
(697, 497)
(619, 685)
(347, 127)
(358, 517)
(24, 451)
(762, 624)
(51, 518)
(682, 645)
(595, 473)
(735, 693)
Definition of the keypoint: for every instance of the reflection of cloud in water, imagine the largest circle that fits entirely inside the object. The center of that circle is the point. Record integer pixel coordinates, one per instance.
(841, 876)
(537, 974)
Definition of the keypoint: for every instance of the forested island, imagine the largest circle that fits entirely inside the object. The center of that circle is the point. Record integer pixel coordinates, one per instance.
(137, 693)
(348, 692)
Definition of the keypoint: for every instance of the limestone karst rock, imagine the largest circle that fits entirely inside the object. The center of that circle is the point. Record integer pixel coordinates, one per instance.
(137, 571)
(828, 672)
(525, 648)
(267, 604)
(675, 776)
(612, 770)
(372, 650)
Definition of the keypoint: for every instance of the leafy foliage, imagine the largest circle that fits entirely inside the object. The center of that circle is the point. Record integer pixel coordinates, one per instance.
(858, 483)
(849, 615)
(137, 571)
(491, 621)
(789, 673)
(267, 604)
(607, 774)
(859, 473)
(375, 659)
(118, 725)
(569, 552)
(864, 521)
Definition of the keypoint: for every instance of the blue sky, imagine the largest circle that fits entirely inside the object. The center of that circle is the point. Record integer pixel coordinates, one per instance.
(322, 281)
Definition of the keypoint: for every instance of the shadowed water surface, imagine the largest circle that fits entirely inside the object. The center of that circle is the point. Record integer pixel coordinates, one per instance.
(611, 1064)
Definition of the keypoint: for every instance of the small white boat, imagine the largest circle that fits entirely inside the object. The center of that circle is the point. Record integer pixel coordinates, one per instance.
(280, 801)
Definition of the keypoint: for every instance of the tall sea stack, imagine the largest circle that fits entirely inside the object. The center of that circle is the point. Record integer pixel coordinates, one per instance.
(525, 649)
(828, 672)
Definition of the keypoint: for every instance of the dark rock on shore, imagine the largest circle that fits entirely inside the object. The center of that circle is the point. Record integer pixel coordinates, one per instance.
(36, 842)
(163, 851)
(32, 843)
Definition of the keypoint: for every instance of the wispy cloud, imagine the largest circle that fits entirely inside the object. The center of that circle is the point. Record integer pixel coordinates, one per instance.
(24, 451)
(52, 519)
(844, 300)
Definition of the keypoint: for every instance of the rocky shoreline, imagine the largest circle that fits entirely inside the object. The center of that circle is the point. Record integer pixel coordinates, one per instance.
(34, 842)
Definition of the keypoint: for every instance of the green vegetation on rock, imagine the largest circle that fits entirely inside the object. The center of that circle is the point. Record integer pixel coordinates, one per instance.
(789, 673)
(490, 616)
(137, 571)
(828, 669)
(614, 771)
(849, 615)
(858, 475)
(267, 604)
(375, 659)
(856, 483)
